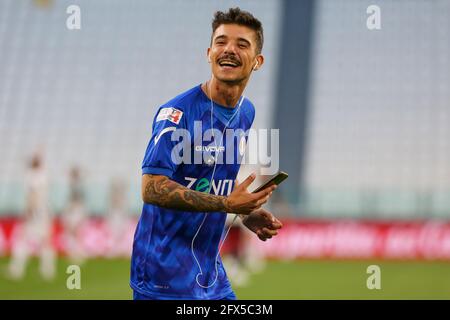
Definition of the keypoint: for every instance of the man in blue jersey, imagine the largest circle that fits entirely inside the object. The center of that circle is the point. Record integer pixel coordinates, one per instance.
(177, 240)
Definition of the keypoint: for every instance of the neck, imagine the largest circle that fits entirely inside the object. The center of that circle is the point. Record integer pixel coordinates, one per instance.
(224, 93)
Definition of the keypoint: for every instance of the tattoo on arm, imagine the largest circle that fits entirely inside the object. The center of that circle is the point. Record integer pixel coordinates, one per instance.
(162, 191)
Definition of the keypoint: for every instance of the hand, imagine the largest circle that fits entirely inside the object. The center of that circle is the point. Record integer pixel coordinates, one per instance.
(240, 201)
(263, 223)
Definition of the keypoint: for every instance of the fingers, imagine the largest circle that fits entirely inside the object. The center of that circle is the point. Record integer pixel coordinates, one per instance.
(277, 225)
(247, 182)
(265, 233)
(265, 192)
(261, 237)
(243, 202)
(262, 201)
(273, 223)
(269, 232)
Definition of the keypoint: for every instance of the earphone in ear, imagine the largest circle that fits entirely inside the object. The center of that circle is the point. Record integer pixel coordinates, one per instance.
(256, 64)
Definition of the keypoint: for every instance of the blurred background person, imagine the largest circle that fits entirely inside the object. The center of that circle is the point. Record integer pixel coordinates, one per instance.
(243, 258)
(35, 232)
(74, 216)
(117, 216)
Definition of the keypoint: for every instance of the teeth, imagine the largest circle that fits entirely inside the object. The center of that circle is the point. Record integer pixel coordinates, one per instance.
(227, 63)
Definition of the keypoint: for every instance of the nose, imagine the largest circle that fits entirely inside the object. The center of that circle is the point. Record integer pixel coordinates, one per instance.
(230, 48)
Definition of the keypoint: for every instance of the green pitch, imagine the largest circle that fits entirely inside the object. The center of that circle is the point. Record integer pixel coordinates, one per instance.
(108, 279)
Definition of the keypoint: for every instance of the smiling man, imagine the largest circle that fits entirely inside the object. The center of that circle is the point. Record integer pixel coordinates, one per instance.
(177, 240)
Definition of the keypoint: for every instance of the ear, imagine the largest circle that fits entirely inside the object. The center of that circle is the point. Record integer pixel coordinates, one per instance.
(208, 52)
(259, 62)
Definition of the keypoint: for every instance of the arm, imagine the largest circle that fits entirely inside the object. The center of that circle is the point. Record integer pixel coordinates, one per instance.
(161, 191)
(164, 192)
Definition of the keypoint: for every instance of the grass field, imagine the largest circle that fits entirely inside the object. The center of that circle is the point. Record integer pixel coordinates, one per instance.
(108, 279)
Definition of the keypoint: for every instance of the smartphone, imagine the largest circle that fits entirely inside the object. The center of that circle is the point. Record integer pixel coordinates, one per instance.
(276, 179)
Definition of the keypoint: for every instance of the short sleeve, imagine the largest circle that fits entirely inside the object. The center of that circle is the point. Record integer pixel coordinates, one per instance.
(158, 155)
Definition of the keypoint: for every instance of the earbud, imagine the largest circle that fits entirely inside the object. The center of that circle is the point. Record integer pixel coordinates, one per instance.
(256, 64)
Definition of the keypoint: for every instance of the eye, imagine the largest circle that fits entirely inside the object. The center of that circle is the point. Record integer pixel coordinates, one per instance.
(242, 45)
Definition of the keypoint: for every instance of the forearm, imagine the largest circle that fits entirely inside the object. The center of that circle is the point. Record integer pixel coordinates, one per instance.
(164, 192)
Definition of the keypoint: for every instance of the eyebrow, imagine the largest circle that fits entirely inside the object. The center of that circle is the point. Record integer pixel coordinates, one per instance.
(225, 37)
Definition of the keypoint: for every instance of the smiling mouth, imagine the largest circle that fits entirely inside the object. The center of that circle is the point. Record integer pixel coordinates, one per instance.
(229, 63)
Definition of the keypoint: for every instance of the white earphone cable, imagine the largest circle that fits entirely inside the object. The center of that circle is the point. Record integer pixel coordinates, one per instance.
(210, 182)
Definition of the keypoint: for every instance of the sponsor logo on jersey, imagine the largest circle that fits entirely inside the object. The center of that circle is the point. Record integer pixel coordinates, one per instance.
(210, 148)
(171, 114)
(221, 187)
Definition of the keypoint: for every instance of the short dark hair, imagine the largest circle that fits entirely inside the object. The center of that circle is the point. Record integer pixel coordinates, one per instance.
(243, 18)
